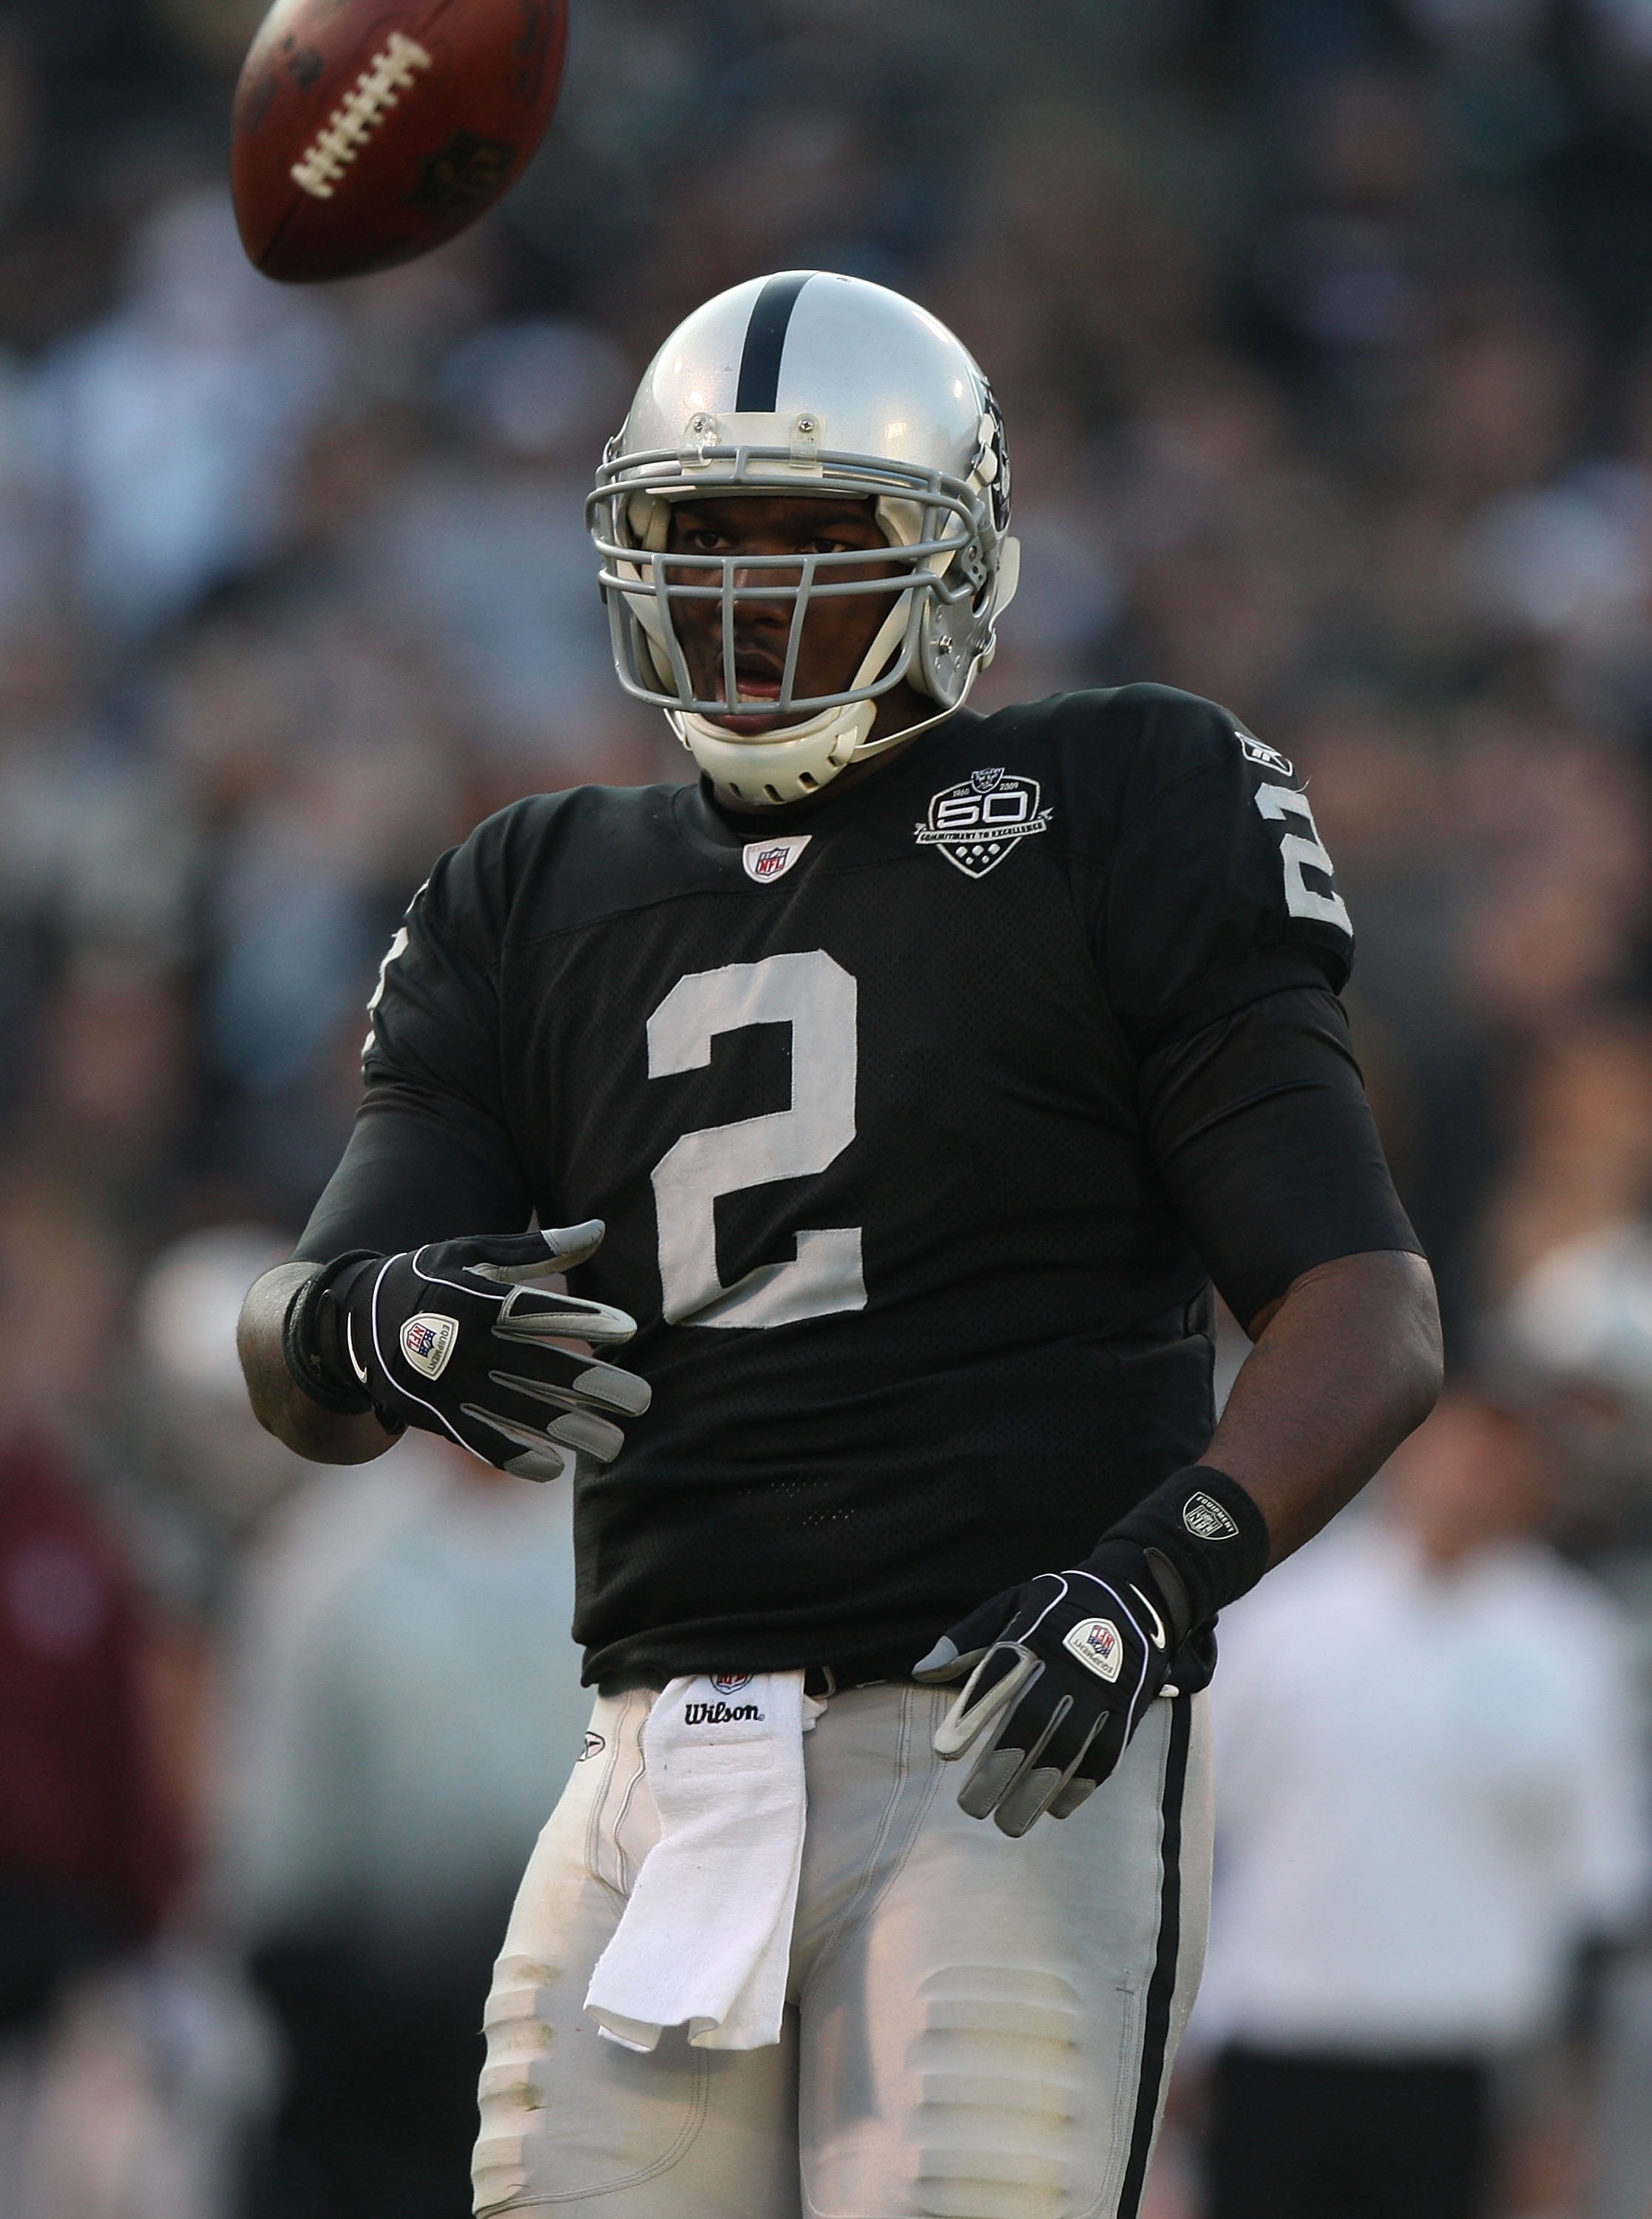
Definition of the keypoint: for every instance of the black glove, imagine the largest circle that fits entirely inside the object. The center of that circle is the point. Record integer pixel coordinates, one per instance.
(446, 1339)
(1065, 1666)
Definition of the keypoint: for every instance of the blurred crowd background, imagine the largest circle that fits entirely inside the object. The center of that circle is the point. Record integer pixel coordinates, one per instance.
(1323, 329)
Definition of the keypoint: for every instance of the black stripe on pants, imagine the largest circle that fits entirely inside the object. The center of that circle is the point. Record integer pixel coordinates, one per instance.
(1161, 1989)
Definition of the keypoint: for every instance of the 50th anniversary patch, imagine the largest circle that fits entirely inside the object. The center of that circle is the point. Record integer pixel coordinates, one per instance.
(976, 824)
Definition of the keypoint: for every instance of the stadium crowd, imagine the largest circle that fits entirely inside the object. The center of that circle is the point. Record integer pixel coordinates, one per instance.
(1323, 330)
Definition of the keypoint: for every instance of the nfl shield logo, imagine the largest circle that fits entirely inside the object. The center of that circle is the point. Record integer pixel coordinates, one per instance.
(731, 1683)
(766, 860)
(428, 1340)
(1094, 1642)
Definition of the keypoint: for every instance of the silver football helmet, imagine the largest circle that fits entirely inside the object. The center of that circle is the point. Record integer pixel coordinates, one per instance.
(808, 382)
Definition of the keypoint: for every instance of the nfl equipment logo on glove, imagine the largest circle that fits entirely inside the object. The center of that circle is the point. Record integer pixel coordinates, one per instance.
(1094, 1642)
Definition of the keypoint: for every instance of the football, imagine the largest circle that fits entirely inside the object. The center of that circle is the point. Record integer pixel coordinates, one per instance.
(367, 132)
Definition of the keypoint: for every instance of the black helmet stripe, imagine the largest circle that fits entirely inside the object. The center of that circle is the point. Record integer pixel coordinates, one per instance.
(759, 360)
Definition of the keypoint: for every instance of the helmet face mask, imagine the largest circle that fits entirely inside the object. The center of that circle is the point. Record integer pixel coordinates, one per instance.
(645, 587)
(934, 473)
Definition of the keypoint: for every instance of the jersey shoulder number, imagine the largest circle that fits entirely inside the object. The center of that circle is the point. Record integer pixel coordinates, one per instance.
(1301, 850)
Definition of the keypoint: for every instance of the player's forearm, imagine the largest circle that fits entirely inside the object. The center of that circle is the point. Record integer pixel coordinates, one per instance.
(1345, 1364)
(279, 1403)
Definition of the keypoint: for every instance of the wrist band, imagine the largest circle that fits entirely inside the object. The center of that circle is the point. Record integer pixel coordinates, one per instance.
(1205, 1530)
(302, 1337)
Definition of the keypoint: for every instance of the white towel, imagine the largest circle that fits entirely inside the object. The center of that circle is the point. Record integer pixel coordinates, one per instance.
(706, 1940)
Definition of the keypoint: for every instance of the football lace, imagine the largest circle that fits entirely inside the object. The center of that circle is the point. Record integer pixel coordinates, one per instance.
(346, 131)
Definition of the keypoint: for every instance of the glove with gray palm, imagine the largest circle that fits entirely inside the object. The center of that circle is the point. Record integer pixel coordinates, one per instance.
(1062, 1669)
(1060, 1673)
(447, 1338)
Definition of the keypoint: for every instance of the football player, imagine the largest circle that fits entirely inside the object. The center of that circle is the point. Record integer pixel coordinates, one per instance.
(903, 1085)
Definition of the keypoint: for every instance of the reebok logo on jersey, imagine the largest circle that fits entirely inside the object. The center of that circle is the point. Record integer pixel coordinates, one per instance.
(1258, 751)
(594, 1745)
(428, 1341)
(772, 859)
(1207, 1520)
(976, 824)
(1094, 1642)
(731, 1683)
(718, 1714)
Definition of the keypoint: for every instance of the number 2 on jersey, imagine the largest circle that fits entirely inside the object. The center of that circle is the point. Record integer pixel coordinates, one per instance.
(1280, 803)
(816, 997)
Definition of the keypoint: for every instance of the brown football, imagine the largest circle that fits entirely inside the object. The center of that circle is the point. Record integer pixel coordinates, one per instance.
(367, 132)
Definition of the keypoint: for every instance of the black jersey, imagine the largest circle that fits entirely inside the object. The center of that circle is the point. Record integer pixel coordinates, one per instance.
(884, 1103)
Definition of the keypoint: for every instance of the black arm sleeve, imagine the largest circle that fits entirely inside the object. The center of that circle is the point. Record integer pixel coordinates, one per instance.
(1261, 1128)
(407, 1177)
(431, 1157)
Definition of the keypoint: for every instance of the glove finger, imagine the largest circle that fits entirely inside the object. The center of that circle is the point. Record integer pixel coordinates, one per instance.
(993, 1771)
(492, 1256)
(1000, 1770)
(573, 1245)
(1058, 1723)
(528, 1315)
(545, 1413)
(1053, 1768)
(1066, 1800)
(590, 1435)
(539, 1465)
(1034, 1733)
(1026, 1799)
(505, 1443)
(962, 1647)
(1000, 1677)
(944, 1662)
(601, 1385)
(531, 1464)
(508, 1260)
(579, 1431)
(1098, 1763)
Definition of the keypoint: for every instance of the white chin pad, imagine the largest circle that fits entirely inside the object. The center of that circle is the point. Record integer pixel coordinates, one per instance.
(969, 1716)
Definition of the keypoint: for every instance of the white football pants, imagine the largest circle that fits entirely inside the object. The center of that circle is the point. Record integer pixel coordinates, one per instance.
(978, 2028)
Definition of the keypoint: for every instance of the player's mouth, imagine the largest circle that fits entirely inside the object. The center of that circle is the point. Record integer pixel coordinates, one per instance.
(756, 681)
